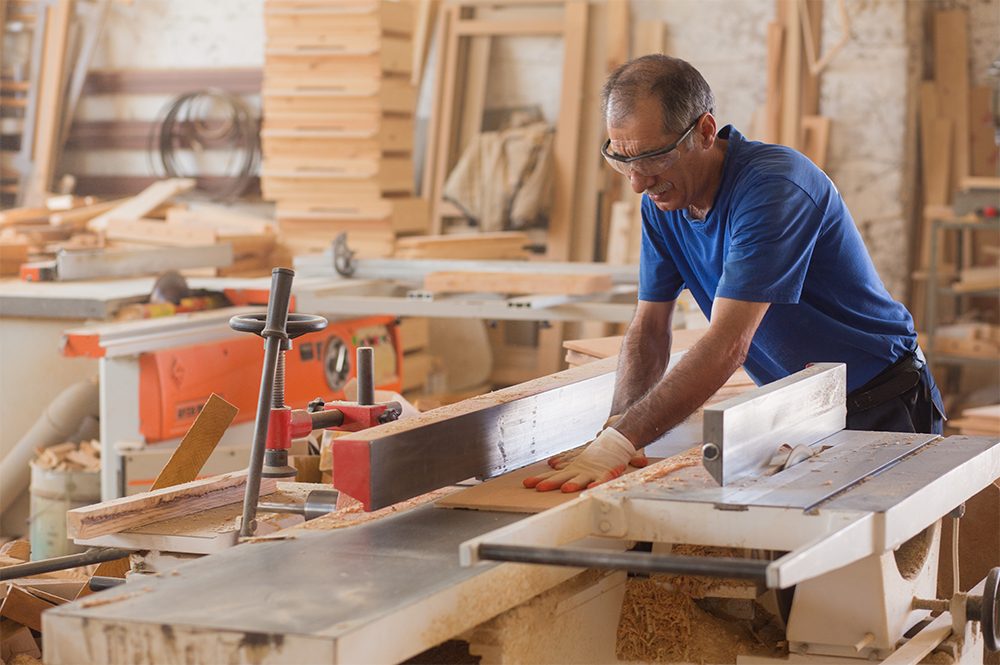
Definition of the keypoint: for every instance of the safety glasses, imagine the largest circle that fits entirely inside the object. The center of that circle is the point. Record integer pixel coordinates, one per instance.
(647, 164)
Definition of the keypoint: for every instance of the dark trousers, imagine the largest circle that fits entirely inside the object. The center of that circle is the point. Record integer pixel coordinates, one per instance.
(917, 409)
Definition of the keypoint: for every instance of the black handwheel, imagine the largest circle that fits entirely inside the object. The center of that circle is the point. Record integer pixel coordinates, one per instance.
(989, 615)
(297, 325)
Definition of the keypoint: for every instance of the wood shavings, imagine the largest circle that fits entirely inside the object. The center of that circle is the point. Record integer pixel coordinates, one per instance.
(93, 602)
(661, 622)
(83, 456)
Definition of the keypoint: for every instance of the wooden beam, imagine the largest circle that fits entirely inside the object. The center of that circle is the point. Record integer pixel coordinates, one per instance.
(496, 282)
(951, 78)
(566, 145)
(791, 79)
(775, 44)
(158, 505)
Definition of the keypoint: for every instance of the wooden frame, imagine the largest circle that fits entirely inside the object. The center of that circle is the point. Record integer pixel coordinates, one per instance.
(460, 25)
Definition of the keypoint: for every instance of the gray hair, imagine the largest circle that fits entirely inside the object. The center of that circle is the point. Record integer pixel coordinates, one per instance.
(683, 93)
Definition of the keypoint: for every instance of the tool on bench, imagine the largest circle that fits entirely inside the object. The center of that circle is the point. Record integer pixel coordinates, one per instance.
(317, 504)
(276, 424)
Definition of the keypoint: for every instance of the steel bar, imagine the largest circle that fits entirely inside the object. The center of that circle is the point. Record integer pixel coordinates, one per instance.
(274, 335)
(632, 562)
(91, 556)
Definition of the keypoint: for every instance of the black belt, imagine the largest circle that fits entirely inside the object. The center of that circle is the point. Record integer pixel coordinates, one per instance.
(891, 382)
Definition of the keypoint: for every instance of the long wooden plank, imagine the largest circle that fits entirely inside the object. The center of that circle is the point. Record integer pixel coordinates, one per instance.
(141, 509)
(566, 145)
(497, 282)
(140, 205)
(951, 78)
(482, 436)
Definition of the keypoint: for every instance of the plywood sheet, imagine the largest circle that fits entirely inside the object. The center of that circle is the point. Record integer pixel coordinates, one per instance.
(509, 495)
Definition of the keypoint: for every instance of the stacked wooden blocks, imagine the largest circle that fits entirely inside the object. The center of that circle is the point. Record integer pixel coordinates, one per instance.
(337, 135)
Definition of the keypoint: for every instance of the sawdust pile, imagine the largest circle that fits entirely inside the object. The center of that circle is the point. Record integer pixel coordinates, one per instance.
(662, 623)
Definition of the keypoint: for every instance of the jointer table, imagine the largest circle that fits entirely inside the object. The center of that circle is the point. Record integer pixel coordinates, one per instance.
(838, 526)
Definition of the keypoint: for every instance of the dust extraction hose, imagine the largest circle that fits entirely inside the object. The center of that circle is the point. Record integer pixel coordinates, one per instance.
(58, 423)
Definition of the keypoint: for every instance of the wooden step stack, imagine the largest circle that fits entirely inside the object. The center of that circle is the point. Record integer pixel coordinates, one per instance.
(337, 136)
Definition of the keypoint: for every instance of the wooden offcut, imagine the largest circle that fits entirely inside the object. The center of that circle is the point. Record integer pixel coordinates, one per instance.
(24, 608)
(497, 282)
(142, 204)
(198, 444)
(141, 509)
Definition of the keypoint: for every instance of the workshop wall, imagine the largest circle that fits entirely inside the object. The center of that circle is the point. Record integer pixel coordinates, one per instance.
(867, 91)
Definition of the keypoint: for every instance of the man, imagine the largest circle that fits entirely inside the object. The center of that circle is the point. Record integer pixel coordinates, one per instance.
(767, 247)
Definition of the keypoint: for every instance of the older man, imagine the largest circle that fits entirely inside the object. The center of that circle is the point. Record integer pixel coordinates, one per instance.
(764, 242)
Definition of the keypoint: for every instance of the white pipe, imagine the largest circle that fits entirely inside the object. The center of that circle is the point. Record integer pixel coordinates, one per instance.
(60, 421)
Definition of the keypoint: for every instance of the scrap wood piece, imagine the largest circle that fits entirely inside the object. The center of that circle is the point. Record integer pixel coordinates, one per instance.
(24, 608)
(143, 203)
(83, 214)
(498, 282)
(16, 639)
(141, 509)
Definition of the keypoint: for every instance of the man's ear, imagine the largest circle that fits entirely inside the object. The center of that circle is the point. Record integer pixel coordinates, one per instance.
(706, 131)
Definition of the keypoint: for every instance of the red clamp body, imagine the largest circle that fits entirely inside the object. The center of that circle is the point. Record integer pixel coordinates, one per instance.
(357, 416)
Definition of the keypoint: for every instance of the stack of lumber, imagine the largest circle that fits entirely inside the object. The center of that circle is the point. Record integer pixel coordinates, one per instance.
(150, 219)
(31, 233)
(978, 421)
(83, 456)
(337, 136)
(25, 599)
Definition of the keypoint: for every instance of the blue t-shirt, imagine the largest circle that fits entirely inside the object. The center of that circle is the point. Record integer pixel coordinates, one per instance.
(779, 232)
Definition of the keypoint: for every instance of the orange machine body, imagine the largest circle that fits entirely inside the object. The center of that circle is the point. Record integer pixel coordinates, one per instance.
(175, 384)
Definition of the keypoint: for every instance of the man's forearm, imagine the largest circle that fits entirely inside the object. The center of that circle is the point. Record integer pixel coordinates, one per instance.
(640, 367)
(699, 374)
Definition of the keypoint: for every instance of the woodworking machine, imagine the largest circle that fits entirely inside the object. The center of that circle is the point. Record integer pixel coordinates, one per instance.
(843, 535)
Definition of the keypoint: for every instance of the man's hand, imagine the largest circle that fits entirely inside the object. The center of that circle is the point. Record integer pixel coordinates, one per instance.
(604, 459)
(563, 459)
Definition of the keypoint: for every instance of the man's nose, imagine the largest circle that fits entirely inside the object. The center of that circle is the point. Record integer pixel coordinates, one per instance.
(640, 183)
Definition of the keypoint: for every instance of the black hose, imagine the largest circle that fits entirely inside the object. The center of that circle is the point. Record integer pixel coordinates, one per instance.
(192, 122)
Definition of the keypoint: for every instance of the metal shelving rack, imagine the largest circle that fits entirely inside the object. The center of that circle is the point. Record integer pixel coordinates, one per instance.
(934, 289)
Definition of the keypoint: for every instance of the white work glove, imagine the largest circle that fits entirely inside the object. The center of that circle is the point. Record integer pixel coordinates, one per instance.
(562, 460)
(604, 459)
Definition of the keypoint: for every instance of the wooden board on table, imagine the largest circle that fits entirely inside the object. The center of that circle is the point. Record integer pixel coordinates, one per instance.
(132, 511)
(508, 494)
(505, 282)
(143, 203)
